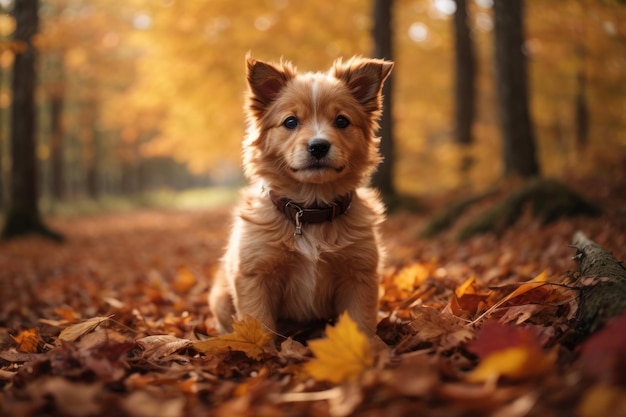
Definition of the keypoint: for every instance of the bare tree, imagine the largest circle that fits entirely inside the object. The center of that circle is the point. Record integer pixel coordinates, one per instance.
(23, 214)
(57, 129)
(465, 74)
(383, 48)
(581, 106)
(518, 143)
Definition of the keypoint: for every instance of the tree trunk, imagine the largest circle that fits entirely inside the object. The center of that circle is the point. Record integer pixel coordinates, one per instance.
(92, 150)
(23, 215)
(511, 81)
(56, 145)
(582, 111)
(383, 48)
(464, 71)
(3, 186)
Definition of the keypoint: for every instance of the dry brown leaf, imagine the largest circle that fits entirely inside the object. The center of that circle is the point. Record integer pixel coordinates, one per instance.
(73, 332)
(468, 299)
(142, 404)
(71, 398)
(434, 326)
(292, 349)
(158, 346)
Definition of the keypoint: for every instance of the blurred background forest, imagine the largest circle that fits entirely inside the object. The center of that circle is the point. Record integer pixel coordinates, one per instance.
(141, 95)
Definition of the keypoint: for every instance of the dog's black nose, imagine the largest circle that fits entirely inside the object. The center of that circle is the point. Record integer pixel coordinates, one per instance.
(318, 148)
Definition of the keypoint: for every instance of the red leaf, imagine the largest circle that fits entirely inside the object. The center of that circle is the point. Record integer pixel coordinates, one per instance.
(494, 336)
(603, 355)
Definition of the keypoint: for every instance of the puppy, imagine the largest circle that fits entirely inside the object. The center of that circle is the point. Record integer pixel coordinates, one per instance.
(305, 244)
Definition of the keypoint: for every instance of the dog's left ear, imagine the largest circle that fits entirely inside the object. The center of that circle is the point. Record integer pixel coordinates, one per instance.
(364, 78)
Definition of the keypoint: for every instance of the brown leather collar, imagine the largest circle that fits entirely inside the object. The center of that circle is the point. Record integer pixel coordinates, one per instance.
(299, 214)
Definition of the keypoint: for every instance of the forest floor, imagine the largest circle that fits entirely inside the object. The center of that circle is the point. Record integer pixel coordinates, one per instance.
(115, 322)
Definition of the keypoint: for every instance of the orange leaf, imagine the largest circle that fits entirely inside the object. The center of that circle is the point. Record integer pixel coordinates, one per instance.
(467, 298)
(538, 281)
(525, 287)
(66, 314)
(411, 276)
(248, 337)
(342, 356)
(184, 281)
(28, 341)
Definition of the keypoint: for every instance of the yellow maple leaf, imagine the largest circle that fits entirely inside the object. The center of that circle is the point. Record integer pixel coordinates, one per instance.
(248, 336)
(342, 356)
(519, 362)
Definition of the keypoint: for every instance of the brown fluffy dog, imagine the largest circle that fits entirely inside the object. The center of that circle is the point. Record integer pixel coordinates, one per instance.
(305, 243)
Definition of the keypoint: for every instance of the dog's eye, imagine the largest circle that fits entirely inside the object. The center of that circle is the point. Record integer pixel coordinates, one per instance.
(291, 122)
(342, 122)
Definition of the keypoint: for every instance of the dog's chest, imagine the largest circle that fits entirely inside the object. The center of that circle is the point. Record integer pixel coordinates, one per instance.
(309, 292)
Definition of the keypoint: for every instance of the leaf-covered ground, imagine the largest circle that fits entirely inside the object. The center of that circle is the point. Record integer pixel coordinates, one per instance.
(115, 322)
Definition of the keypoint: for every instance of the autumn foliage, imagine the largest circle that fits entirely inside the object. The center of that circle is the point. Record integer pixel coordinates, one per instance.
(166, 78)
(115, 322)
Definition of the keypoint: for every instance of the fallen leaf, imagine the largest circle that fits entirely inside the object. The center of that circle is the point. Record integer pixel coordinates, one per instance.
(467, 299)
(28, 341)
(143, 404)
(494, 336)
(523, 288)
(71, 398)
(415, 375)
(18, 357)
(438, 327)
(515, 363)
(67, 314)
(603, 355)
(184, 280)
(603, 400)
(292, 349)
(410, 277)
(539, 281)
(343, 355)
(248, 336)
(73, 332)
(508, 351)
(158, 346)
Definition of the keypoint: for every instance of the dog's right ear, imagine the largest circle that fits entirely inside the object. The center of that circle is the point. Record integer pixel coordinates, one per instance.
(266, 80)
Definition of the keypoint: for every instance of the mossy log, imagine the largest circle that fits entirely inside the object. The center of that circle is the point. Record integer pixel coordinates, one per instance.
(549, 200)
(607, 298)
(446, 217)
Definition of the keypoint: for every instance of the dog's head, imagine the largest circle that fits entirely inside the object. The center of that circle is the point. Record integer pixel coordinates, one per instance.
(312, 136)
